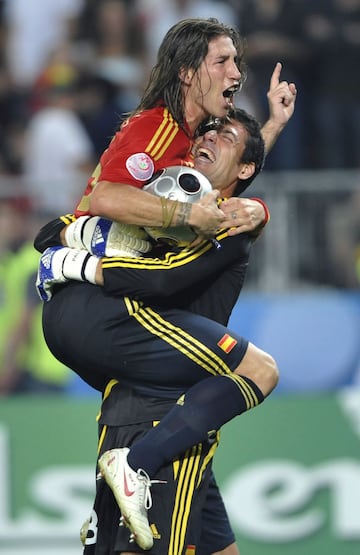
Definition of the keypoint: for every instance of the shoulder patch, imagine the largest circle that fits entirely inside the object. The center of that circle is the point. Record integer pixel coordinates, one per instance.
(140, 166)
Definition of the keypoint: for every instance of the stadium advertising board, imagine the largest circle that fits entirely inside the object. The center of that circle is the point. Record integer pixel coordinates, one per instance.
(289, 471)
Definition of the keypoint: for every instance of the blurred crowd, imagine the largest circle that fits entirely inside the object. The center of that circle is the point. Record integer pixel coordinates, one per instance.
(82, 64)
(70, 71)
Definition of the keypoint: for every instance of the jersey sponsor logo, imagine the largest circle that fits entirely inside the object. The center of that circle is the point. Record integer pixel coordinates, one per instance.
(140, 166)
(227, 343)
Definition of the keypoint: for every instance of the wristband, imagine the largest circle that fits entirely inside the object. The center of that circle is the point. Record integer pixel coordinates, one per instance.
(74, 233)
(80, 265)
(167, 214)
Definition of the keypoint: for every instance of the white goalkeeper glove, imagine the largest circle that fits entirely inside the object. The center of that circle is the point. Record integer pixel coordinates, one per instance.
(60, 264)
(102, 237)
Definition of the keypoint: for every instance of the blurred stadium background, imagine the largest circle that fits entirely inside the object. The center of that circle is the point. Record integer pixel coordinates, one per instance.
(290, 470)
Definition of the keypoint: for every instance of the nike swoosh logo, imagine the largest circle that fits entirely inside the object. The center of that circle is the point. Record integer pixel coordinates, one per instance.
(127, 491)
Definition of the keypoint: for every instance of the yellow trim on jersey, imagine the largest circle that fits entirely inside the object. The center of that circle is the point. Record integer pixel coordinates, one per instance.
(107, 392)
(157, 134)
(171, 259)
(178, 338)
(101, 438)
(84, 203)
(167, 144)
(68, 218)
(96, 174)
(163, 137)
(109, 387)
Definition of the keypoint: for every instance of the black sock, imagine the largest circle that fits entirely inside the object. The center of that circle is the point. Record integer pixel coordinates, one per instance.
(205, 407)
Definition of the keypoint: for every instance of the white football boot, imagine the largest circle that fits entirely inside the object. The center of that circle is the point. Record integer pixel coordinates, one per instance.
(132, 492)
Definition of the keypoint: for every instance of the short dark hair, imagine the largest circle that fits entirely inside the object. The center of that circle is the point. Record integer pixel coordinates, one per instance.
(254, 151)
(254, 146)
(185, 46)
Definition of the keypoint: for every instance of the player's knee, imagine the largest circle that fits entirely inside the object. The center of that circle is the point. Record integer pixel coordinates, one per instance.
(269, 374)
(261, 368)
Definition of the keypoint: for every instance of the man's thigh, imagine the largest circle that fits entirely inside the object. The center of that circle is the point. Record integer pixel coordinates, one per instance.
(100, 338)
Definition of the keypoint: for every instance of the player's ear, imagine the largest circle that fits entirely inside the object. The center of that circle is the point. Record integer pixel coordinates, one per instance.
(186, 75)
(246, 170)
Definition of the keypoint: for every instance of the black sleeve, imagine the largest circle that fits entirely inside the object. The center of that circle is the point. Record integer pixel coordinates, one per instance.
(216, 297)
(49, 234)
(147, 278)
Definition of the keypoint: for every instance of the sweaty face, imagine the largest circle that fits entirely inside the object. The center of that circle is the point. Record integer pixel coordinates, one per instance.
(211, 88)
(218, 155)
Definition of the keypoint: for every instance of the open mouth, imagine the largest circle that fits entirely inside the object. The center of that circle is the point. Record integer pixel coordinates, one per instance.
(229, 93)
(206, 154)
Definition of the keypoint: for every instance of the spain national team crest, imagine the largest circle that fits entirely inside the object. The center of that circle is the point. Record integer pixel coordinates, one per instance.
(227, 343)
(140, 166)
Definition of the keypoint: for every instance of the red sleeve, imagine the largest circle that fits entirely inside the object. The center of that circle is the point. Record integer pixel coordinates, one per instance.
(146, 143)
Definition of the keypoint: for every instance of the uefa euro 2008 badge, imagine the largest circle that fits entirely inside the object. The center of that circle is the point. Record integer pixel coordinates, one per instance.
(140, 166)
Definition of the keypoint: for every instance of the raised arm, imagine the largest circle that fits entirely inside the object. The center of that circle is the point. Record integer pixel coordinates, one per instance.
(281, 97)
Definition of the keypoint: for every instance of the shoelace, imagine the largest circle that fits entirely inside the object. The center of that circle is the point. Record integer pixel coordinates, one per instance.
(145, 496)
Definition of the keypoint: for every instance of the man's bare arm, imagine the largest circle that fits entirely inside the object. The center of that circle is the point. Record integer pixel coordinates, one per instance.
(281, 97)
(129, 205)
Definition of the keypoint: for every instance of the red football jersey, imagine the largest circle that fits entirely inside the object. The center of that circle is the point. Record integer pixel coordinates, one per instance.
(146, 143)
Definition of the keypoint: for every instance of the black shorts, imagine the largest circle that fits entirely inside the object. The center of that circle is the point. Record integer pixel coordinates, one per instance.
(126, 416)
(176, 513)
(158, 351)
(214, 532)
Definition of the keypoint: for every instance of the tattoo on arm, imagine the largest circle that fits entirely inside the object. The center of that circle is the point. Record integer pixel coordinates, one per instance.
(183, 214)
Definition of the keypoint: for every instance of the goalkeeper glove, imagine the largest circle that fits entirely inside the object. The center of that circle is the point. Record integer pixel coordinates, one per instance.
(61, 264)
(104, 238)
